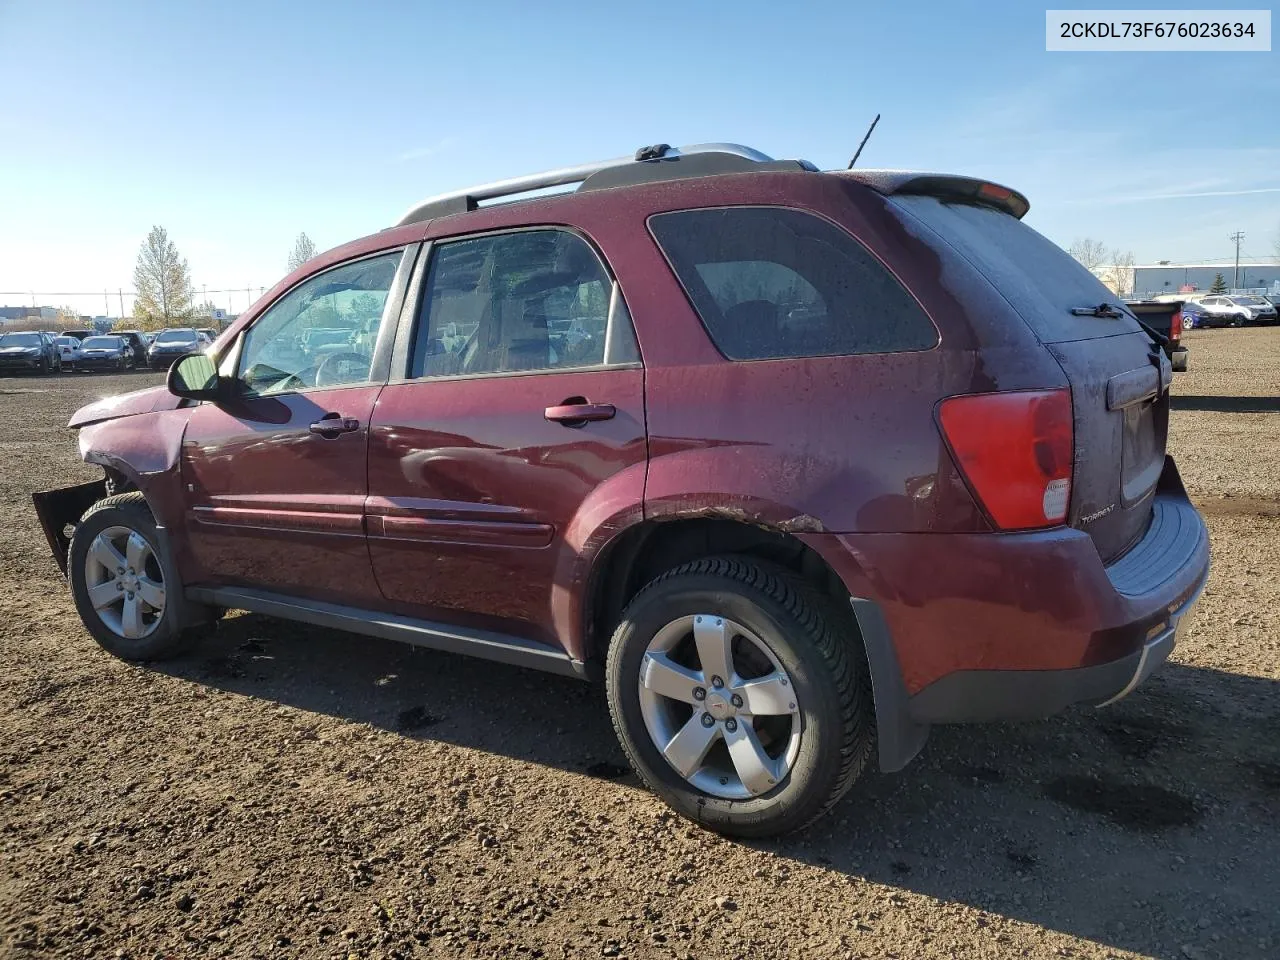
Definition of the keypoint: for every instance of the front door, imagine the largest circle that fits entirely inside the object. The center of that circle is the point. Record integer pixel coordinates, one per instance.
(276, 476)
(520, 424)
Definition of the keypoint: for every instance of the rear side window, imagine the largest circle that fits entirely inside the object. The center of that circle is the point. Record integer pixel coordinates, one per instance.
(770, 282)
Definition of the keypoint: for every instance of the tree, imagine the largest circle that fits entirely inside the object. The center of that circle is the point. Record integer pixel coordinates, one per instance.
(303, 250)
(1091, 253)
(1219, 284)
(163, 281)
(1121, 272)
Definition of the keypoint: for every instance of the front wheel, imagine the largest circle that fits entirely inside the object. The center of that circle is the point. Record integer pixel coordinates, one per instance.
(124, 584)
(740, 696)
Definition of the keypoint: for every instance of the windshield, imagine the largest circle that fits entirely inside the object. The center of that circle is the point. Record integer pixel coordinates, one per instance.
(20, 340)
(176, 336)
(101, 343)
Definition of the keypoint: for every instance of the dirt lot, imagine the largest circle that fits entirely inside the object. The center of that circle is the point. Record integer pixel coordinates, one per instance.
(290, 792)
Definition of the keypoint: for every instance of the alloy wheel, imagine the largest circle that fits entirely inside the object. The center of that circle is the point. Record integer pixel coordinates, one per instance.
(124, 582)
(719, 706)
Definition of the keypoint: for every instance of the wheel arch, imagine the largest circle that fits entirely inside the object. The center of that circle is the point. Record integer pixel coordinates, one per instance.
(648, 548)
(143, 453)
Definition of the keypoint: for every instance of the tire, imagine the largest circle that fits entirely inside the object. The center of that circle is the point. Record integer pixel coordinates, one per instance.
(166, 635)
(767, 607)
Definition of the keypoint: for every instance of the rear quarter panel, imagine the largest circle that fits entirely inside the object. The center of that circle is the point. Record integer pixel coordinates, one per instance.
(840, 444)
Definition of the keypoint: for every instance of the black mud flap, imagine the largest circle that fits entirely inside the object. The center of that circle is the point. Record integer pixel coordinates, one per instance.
(59, 510)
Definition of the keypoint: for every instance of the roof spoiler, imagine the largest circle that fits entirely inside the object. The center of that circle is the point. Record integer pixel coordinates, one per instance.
(943, 186)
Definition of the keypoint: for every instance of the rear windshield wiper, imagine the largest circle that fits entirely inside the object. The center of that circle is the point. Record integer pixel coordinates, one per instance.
(1101, 310)
(1111, 313)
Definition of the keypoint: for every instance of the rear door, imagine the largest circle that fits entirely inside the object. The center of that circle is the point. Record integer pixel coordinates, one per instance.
(1119, 378)
(521, 397)
(276, 475)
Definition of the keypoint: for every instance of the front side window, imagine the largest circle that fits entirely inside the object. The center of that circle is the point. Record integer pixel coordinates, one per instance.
(322, 332)
(531, 300)
(770, 282)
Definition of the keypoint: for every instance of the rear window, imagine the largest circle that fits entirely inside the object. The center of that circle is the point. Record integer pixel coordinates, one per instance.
(176, 336)
(102, 343)
(770, 282)
(1038, 278)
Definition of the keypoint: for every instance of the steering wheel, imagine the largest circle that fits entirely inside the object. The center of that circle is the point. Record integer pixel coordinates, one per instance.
(329, 365)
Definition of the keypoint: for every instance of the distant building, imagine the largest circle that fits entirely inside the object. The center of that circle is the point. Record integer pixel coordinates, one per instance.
(1151, 280)
(28, 313)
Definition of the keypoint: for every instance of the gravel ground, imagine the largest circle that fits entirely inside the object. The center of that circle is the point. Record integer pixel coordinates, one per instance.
(291, 792)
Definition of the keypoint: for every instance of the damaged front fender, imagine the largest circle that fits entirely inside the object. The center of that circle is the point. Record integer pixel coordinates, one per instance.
(140, 451)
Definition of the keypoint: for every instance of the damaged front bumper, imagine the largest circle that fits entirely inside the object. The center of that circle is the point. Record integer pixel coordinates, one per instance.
(59, 510)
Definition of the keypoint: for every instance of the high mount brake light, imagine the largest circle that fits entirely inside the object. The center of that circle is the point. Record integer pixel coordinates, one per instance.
(1015, 449)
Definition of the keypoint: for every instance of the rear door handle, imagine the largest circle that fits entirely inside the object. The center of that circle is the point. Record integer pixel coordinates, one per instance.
(575, 411)
(332, 425)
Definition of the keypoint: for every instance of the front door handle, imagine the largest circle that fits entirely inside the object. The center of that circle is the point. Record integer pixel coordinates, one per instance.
(575, 411)
(332, 425)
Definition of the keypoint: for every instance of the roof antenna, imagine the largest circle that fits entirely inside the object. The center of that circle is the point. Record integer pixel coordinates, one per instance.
(864, 142)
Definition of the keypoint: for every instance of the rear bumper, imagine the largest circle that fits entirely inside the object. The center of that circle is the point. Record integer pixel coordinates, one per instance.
(975, 627)
(970, 696)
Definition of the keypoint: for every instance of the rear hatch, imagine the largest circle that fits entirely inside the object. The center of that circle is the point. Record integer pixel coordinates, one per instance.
(1119, 378)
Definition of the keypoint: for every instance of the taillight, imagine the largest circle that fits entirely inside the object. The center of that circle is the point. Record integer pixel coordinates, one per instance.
(1175, 330)
(1015, 449)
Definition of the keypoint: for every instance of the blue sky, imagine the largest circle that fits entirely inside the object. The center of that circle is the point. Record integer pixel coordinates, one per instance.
(237, 125)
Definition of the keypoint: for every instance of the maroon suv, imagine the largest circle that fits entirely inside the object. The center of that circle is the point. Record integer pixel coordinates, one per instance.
(798, 462)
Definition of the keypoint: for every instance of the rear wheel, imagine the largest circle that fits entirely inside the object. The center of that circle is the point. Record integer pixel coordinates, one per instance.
(739, 696)
(124, 584)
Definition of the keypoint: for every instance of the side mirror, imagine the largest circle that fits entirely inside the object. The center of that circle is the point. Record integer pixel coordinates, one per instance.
(194, 377)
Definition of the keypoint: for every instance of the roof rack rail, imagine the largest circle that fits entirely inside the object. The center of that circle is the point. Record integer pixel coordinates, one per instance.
(658, 162)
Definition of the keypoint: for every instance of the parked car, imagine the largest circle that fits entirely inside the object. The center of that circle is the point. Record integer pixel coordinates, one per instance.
(28, 350)
(857, 454)
(209, 333)
(1194, 316)
(1165, 318)
(1221, 311)
(170, 344)
(1261, 311)
(138, 348)
(68, 349)
(109, 351)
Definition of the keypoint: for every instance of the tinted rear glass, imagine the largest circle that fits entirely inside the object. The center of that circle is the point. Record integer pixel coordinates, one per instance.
(770, 282)
(102, 343)
(1038, 278)
(176, 336)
